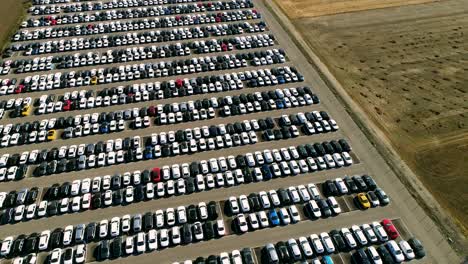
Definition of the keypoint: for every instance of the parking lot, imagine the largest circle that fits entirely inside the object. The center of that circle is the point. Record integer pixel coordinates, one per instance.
(189, 132)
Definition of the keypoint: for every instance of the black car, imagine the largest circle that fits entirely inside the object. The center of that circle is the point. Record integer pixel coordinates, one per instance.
(103, 250)
(283, 252)
(360, 183)
(284, 197)
(96, 201)
(369, 182)
(186, 234)
(56, 238)
(90, 232)
(148, 221)
(338, 241)
(360, 257)
(117, 247)
(254, 202)
(7, 215)
(212, 210)
(117, 197)
(18, 246)
(52, 208)
(68, 255)
(351, 184)
(192, 213)
(247, 257)
(209, 231)
(116, 182)
(31, 244)
(65, 190)
(417, 247)
(32, 195)
(330, 188)
(385, 255)
(324, 208)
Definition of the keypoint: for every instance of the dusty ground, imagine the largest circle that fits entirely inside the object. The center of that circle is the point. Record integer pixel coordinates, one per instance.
(408, 68)
(312, 8)
(10, 15)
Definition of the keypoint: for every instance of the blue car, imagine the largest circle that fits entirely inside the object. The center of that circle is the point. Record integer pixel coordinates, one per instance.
(104, 128)
(327, 259)
(148, 153)
(266, 172)
(273, 216)
(280, 79)
(279, 104)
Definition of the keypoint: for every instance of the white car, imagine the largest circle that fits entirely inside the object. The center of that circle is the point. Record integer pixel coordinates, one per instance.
(253, 221)
(348, 237)
(163, 238)
(244, 203)
(314, 209)
(55, 256)
(129, 245)
(44, 240)
(80, 253)
(395, 250)
(125, 223)
(152, 239)
(359, 235)
(327, 242)
(294, 213)
(334, 205)
(406, 249)
(67, 235)
(140, 242)
(317, 243)
(305, 246)
(6, 246)
(380, 231)
(103, 228)
(220, 228)
(242, 223)
(115, 227)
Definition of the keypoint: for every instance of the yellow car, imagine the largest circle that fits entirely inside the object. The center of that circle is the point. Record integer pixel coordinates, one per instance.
(26, 111)
(363, 201)
(94, 80)
(51, 135)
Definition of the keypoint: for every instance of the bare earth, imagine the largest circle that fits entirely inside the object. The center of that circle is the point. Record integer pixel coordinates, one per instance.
(10, 14)
(312, 8)
(408, 68)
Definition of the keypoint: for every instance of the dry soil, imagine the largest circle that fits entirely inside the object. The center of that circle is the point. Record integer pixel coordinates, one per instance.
(11, 12)
(407, 67)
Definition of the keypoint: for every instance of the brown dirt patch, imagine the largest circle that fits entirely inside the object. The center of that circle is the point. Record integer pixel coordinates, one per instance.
(407, 67)
(312, 8)
(11, 13)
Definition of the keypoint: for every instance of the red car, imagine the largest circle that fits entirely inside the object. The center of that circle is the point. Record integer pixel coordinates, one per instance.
(390, 228)
(156, 173)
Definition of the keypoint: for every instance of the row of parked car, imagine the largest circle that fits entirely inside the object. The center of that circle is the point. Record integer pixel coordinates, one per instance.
(140, 24)
(99, 5)
(140, 53)
(124, 39)
(244, 256)
(145, 189)
(117, 226)
(362, 238)
(150, 70)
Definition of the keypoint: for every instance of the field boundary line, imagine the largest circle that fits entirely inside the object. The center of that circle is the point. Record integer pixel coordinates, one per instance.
(377, 138)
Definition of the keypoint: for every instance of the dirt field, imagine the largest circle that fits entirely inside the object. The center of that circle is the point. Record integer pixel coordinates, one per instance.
(408, 68)
(10, 13)
(312, 8)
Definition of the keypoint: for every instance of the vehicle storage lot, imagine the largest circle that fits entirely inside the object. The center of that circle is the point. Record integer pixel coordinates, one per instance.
(399, 67)
(407, 216)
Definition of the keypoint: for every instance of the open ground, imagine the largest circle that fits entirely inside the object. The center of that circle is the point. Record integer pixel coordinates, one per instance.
(11, 12)
(406, 67)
